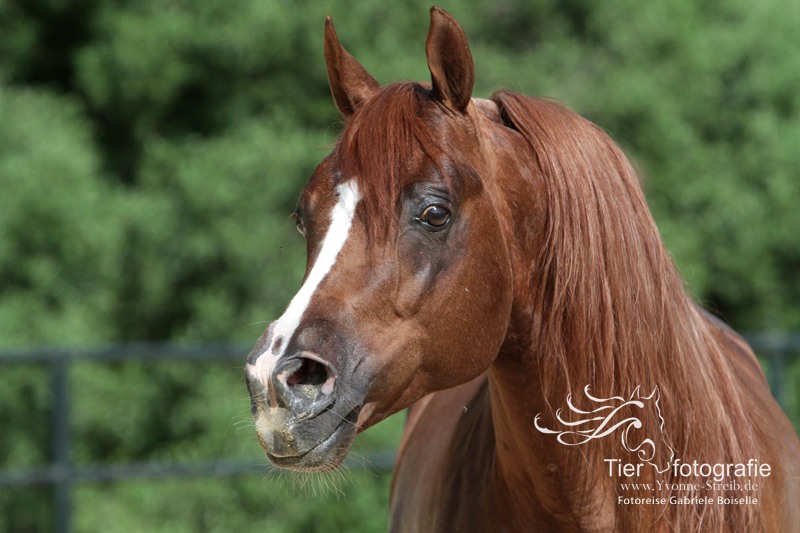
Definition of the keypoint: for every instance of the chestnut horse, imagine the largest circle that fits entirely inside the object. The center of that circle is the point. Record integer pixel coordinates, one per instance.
(493, 265)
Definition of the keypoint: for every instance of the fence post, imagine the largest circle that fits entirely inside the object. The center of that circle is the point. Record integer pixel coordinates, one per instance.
(61, 445)
(777, 361)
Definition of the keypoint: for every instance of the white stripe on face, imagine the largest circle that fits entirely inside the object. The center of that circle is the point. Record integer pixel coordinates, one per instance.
(283, 329)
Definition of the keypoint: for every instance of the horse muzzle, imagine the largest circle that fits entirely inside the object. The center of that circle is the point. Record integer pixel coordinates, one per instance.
(304, 418)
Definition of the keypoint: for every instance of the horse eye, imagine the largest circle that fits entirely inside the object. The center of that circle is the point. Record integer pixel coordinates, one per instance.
(435, 215)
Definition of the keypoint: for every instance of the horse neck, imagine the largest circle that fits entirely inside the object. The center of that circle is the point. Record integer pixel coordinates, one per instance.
(548, 353)
(528, 466)
(565, 482)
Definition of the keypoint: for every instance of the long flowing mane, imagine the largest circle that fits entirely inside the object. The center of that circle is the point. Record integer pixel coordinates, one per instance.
(614, 311)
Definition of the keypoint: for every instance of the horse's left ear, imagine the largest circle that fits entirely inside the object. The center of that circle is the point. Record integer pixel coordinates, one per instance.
(450, 61)
(350, 83)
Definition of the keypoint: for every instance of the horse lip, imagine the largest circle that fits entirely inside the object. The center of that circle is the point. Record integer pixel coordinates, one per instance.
(311, 451)
(300, 462)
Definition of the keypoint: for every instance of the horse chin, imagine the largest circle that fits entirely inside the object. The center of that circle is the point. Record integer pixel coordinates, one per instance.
(325, 456)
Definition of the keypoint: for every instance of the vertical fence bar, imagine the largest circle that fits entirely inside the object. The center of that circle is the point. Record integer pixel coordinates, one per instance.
(61, 445)
(777, 360)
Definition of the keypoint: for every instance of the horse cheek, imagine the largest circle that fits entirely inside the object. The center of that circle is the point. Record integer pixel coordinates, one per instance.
(479, 297)
(488, 291)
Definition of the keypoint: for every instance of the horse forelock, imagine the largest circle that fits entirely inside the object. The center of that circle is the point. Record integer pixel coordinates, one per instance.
(613, 310)
(386, 144)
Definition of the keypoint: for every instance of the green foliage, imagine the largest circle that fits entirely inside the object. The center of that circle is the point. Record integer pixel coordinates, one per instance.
(151, 152)
(148, 166)
(59, 234)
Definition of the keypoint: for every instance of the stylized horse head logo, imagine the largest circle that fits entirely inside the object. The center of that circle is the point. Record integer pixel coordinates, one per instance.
(596, 427)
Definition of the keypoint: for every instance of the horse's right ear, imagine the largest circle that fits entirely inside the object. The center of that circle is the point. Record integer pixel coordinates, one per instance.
(350, 83)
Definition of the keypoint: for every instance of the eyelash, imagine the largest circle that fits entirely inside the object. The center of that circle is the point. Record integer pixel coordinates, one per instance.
(299, 222)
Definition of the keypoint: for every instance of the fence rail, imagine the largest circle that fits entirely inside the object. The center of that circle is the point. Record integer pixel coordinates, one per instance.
(61, 474)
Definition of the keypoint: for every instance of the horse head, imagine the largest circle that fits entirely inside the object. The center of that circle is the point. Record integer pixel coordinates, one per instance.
(408, 284)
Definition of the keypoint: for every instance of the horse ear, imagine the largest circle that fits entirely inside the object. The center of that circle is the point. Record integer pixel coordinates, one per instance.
(450, 61)
(350, 83)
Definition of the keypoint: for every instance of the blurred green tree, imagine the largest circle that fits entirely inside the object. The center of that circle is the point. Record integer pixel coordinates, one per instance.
(151, 152)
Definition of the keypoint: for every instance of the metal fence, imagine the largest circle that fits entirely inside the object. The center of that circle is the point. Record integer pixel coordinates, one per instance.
(61, 474)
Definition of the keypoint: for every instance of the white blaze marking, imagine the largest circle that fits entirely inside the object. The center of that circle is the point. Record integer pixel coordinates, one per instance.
(283, 328)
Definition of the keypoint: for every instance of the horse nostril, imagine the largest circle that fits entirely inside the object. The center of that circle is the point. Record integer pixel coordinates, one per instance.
(305, 376)
(309, 373)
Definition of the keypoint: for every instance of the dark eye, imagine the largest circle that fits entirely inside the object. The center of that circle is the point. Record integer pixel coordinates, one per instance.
(435, 216)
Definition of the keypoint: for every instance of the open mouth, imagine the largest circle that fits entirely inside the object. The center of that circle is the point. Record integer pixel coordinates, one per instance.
(326, 455)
